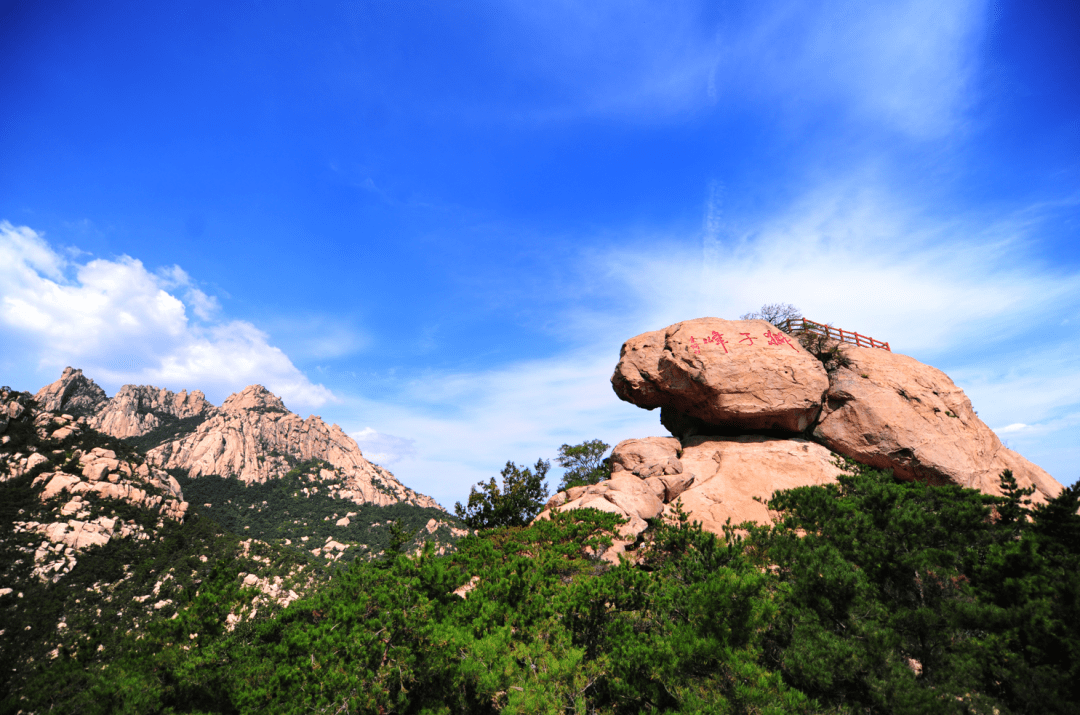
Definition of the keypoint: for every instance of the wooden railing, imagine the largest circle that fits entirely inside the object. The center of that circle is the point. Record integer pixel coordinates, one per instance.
(793, 326)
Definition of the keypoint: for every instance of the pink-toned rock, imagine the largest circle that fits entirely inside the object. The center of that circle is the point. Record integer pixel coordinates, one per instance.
(648, 457)
(891, 411)
(59, 483)
(239, 440)
(732, 474)
(718, 374)
(138, 409)
(623, 494)
(73, 393)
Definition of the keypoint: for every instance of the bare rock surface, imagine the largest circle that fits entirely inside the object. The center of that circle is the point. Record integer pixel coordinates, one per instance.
(741, 375)
(624, 494)
(138, 409)
(891, 411)
(252, 434)
(734, 476)
(73, 394)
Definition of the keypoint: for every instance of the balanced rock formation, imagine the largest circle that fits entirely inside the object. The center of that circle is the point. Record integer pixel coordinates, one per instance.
(733, 374)
(752, 412)
(890, 411)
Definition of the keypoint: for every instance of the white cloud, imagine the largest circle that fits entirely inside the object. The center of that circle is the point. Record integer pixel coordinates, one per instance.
(384, 449)
(909, 65)
(1009, 429)
(119, 322)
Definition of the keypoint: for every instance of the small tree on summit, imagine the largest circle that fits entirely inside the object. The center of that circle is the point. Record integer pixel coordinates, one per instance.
(521, 498)
(774, 313)
(584, 463)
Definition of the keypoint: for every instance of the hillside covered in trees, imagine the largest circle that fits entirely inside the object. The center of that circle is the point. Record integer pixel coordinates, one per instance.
(872, 595)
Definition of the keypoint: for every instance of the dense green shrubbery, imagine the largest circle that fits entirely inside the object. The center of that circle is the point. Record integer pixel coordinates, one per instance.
(278, 509)
(169, 428)
(515, 503)
(870, 596)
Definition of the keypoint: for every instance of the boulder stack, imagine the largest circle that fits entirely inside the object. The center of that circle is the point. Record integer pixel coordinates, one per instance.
(752, 412)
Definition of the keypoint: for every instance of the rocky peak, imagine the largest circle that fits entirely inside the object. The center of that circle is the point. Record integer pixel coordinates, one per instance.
(139, 409)
(254, 398)
(72, 394)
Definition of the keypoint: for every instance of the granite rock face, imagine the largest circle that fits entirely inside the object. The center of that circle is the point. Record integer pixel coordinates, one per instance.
(251, 436)
(729, 375)
(891, 411)
(73, 394)
(752, 412)
(734, 477)
(140, 409)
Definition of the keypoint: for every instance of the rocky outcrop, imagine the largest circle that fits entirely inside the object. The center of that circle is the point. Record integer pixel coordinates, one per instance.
(252, 436)
(753, 413)
(735, 477)
(626, 495)
(890, 411)
(716, 480)
(77, 488)
(711, 375)
(140, 409)
(73, 394)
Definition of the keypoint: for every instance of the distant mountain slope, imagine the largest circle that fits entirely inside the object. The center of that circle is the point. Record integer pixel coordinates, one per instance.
(252, 437)
(100, 543)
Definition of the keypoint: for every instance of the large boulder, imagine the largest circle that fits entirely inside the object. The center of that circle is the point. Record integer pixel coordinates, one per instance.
(891, 411)
(735, 476)
(654, 460)
(713, 376)
(624, 494)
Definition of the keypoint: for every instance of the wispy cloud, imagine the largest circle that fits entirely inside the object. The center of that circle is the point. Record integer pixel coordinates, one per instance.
(963, 294)
(909, 65)
(120, 322)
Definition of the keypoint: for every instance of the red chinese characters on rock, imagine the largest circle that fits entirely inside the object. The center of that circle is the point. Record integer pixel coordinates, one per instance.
(779, 338)
(716, 338)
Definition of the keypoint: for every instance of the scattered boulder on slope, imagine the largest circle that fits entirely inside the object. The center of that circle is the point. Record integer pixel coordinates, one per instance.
(890, 411)
(731, 375)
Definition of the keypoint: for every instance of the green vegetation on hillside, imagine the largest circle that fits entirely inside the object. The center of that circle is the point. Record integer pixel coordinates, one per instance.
(297, 505)
(869, 596)
(584, 464)
(515, 503)
(169, 428)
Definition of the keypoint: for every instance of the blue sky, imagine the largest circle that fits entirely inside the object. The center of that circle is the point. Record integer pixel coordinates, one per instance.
(435, 223)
